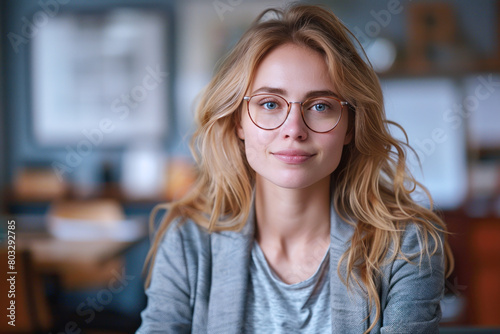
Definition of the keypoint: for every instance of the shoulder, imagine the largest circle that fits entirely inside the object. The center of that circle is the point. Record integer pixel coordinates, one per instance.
(417, 241)
(420, 250)
(183, 253)
(184, 235)
(419, 262)
(177, 272)
(419, 267)
(413, 284)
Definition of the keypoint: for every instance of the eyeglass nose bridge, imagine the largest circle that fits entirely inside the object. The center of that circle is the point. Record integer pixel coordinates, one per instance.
(290, 109)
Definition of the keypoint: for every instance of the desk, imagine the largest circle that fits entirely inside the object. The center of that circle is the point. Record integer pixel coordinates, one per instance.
(78, 264)
(73, 264)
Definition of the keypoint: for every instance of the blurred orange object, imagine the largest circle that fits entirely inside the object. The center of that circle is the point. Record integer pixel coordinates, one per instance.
(181, 175)
(38, 184)
(102, 211)
(485, 294)
(92, 220)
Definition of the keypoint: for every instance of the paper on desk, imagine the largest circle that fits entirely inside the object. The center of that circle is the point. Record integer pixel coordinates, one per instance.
(73, 229)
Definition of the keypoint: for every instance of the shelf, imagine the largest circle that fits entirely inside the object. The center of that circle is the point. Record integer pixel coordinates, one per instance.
(405, 69)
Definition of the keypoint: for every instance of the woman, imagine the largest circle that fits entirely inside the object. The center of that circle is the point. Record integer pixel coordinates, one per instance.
(301, 220)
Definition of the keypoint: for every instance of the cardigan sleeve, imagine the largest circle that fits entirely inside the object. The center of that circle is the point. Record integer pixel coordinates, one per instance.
(415, 289)
(168, 309)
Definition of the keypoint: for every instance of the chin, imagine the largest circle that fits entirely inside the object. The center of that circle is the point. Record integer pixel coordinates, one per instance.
(296, 182)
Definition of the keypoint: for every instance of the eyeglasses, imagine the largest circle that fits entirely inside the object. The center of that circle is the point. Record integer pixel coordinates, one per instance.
(270, 111)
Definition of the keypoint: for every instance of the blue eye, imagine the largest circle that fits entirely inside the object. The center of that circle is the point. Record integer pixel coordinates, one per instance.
(320, 107)
(270, 105)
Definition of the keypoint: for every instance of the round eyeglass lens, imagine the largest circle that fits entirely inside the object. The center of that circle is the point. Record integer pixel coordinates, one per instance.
(267, 111)
(322, 114)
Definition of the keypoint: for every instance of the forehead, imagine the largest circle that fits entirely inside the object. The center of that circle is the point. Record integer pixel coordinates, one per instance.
(293, 69)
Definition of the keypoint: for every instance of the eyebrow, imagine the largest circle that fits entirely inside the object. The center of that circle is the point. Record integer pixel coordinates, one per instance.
(280, 91)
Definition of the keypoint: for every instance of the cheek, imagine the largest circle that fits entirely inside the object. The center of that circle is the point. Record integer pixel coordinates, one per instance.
(333, 150)
(335, 155)
(257, 142)
(331, 160)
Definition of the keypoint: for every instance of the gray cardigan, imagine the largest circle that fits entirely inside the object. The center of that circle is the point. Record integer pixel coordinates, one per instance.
(199, 284)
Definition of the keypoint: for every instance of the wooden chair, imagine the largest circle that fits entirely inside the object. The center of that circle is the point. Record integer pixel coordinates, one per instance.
(32, 311)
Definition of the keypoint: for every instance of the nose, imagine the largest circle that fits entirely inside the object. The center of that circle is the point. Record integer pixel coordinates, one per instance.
(294, 126)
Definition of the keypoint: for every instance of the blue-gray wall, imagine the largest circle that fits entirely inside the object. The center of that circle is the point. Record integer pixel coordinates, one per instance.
(23, 149)
(3, 135)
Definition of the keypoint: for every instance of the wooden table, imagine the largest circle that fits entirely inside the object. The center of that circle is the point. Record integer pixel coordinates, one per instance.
(78, 264)
(73, 264)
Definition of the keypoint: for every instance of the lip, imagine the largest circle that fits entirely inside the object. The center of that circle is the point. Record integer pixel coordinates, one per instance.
(293, 156)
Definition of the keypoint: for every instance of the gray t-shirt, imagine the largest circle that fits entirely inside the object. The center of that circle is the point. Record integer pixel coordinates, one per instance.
(276, 307)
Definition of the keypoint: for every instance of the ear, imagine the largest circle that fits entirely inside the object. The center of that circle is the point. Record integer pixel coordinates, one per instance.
(239, 131)
(349, 136)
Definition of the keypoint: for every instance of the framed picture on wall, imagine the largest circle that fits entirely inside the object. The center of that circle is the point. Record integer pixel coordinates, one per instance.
(101, 76)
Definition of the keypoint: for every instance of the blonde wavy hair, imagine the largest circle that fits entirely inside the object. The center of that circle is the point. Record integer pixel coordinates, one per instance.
(371, 187)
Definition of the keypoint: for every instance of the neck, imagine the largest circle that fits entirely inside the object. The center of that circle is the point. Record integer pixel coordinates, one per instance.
(292, 218)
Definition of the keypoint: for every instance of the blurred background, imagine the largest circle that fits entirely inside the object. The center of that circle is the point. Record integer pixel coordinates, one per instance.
(96, 112)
